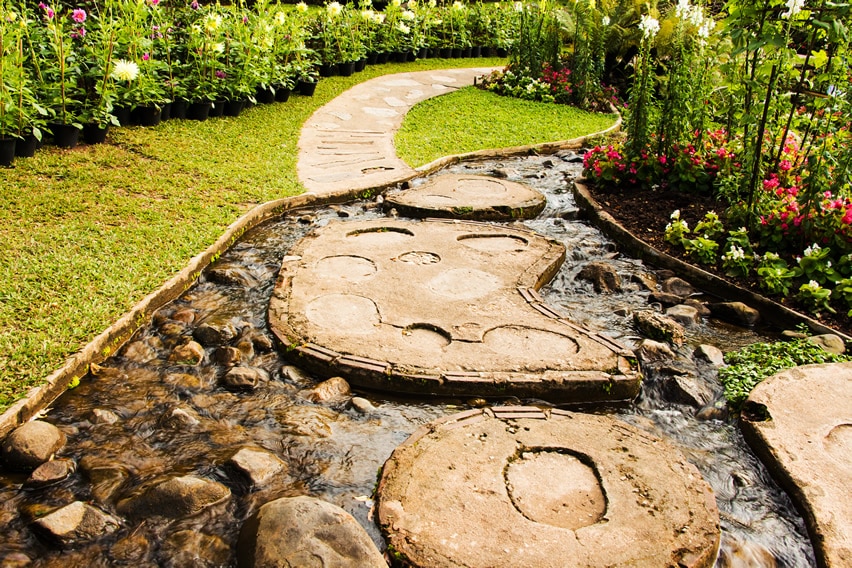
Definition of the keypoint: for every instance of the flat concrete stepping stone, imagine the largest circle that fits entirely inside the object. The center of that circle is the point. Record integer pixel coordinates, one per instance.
(440, 307)
(468, 197)
(525, 487)
(800, 423)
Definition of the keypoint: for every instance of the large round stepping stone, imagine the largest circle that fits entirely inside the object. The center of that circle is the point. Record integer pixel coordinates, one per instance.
(524, 487)
(440, 307)
(800, 423)
(468, 197)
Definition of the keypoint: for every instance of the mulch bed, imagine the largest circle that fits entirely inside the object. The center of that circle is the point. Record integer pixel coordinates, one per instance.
(646, 214)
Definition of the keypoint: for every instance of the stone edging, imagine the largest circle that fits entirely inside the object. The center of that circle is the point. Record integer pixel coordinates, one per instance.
(769, 309)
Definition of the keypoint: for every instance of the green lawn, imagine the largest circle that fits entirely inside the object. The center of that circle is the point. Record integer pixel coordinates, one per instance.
(472, 119)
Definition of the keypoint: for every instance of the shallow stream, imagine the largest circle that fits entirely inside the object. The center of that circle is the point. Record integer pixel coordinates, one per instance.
(123, 432)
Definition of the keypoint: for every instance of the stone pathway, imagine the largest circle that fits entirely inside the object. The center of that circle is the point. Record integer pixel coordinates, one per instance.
(348, 143)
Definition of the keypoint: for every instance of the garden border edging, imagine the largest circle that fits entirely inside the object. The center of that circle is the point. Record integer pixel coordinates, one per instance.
(769, 309)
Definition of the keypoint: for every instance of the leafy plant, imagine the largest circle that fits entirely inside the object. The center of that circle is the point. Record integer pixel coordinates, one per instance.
(702, 249)
(815, 297)
(774, 274)
(677, 229)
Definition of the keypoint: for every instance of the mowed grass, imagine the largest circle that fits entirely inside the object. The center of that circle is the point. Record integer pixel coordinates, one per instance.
(472, 119)
(85, 234)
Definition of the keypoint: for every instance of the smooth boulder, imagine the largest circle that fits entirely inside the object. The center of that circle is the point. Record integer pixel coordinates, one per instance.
(32, 444)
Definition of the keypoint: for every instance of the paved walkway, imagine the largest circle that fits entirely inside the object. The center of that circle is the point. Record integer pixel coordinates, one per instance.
(348, 143)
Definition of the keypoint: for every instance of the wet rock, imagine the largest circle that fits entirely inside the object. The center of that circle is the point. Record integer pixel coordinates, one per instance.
(295, 375)
(175, 498)
(244, 378)
(180, 419)
(132, 550)
(570, 214)
(231, 275)
(602, 276)
(362, 405)
(190, 353)
(645, 281)
(196, 549)
(793, 334)
(32, 444)
(246, 348)
(261, 341)
(664, 298)
(106, 479)
(829, 342)
(103, 416)
(737, 553)
(502, 173)
(173, 329)
(76, 523)
(686, 316)
(651, 351)
(304, 531)
(702, 308)
(142, 351)
(715, 411)
(213, 334)
(185, 315)
(256, 465)
(310, 421)
(678, 287)
(477, 402)
(735, 312)
(335, 389)
(228, 356)
(710, 354)
(659, 327)
(16, 560)
(51, 472)
(623, 312)
(686, 389)
(183, 381)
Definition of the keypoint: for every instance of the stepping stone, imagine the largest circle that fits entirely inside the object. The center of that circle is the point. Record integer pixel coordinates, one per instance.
(526, 487)
(468, 197)
(800, 424)
(440, 307)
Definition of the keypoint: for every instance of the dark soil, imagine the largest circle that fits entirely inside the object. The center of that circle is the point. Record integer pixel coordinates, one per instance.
(646, 214)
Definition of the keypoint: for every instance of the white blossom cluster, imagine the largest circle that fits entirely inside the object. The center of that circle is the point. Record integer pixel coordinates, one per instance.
(793, 8)
(649, 26)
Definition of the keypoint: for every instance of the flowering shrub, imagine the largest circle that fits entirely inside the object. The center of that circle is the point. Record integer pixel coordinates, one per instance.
(518, 85)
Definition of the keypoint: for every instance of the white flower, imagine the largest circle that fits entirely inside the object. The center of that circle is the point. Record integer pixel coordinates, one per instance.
(403, 28)
(218, 47)
(212, 22)
(735, 253)
(683, 9)
(675, 214)
(378, 18)
(280, 18)
(412, 4)
(793, 8)
(433, 3)
(302, 7)
(812, 250)
(125, 70)
(706, 28)
(396, 3)
(649, 26)
(696, 16)
(334, 9)
(458, 6)
(605, 20)
(408, 15)
(813, 285)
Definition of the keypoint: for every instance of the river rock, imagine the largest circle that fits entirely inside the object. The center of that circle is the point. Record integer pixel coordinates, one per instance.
(175, 498)
(231, 275)
(295, 375)
(180, 419)
(362, 405)
(17, 560)
(196, 549)
(702, 308)
(710, 354)
(32, 444)
(335, 389)
(678, 287)
(602, 276)
(183, 381)
(228, 356)
(103, 416)
(190, 353)
(261, 341)
(664, 298)
(715, 411)
(686, 389)
(142, 351)
(106, 478)
(735, 312)
(244, 378)
(213, 334)
(51, 472)
(829, 342)
(737, 553)
(132, 550)
(184, 315)
(305, 531)
(258, 466)
(686, 316)
(658, 326)
(645, 281)
(76, 523)
(651, 351)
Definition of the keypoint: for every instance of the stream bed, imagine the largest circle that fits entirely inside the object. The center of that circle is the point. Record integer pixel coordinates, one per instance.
(142, 417)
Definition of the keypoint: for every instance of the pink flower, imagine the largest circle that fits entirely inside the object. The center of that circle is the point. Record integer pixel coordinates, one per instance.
(220, 74)
(848, 217)
(78, 15)
(145, 57)
(153, 2)
(663, 160)
(785, 165)
(78, 34)
(194, 5)
(771, 183)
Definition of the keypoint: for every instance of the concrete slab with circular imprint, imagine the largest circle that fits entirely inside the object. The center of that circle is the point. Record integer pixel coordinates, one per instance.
(800, 423)
(440, 307)
(468, 197)
(526, 487)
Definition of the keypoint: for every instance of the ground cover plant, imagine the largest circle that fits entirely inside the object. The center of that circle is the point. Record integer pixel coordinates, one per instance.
(470, 119)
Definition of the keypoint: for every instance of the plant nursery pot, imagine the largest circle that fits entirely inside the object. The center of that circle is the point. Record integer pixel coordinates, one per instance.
(382, 57)
(217, 110)
(282, 94)
(307, 88)
(399, 56)
(26, 146)
(328, 69)
(166, 111)
(446, 52)
(372, 58)
(423, 53)
(7, 151)
(95, 133)
(456, 53)
(485, 51)
(346, 69)
(502, 52)
(179, 108)
(65, 135)
(198, 110)
(147, 115)
(122, 114)
(234, 108)
(476, 51)
(264, 96)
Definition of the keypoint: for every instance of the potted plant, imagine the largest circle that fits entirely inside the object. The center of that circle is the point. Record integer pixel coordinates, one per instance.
(13, 81)
(98, 79)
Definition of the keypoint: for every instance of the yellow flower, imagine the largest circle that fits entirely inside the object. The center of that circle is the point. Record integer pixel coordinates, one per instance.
(213, 22)
(302, 7)
(125, 70)
(334, 9)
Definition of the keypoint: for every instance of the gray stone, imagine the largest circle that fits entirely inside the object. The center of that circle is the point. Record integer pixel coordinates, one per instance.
(244, 378)
(296, 375)
(180, 419)
(258, 466)
(142, 351)
(603, 277)
(106, 478)
(702, 308)
(687, 316)
(196, 549)
(735, 312)
(829, 342)
(659, 327)
(32, 444)
(103, 416)
(213, 334)
(686, 389)
(305, 531)
(362, 405)
(190, 353)
(333, 390)
(176, 497)
(51, 472)
(228, 356)
(77, 523)
(678, 287)
(710, 354)
(665, 298)
(793, 334)
(651, 351)
(716, 411)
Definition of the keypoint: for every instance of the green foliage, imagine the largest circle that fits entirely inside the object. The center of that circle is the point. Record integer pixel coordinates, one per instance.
(702, 249)
(710, 226)
(751, 365)
(677, 229)
(815, 297)
(775, 276)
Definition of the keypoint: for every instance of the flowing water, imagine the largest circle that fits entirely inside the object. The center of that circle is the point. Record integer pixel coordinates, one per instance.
(123, 430)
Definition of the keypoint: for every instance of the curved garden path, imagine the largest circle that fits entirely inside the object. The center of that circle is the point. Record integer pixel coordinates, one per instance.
(348, 143)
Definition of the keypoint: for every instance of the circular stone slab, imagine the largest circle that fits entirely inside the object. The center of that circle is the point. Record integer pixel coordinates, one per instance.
(526, 487)
(468, 197)
(800, 424)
